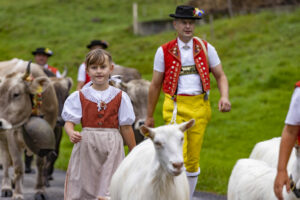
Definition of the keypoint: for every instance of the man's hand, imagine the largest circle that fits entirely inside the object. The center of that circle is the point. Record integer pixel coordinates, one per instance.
(75, 137)
(224, 104)
(149, 122)
(282, 179)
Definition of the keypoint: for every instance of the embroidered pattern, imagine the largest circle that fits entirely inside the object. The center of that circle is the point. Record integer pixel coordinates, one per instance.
(103, 98)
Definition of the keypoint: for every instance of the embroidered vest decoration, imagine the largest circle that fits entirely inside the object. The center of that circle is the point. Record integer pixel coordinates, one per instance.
(173, 65)
(106, 117)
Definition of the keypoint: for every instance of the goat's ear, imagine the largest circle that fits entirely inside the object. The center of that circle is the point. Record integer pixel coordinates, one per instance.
(186, 125)
(146, 131)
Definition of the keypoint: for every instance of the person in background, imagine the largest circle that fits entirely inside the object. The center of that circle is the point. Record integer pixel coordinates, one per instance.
(41, 56)
(106, 115)
(290, 136)
(83, 76)
(181, 69)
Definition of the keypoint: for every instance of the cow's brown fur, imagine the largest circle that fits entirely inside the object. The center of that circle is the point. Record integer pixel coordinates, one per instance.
(15, 108)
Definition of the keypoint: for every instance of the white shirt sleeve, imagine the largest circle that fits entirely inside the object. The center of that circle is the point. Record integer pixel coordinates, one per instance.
(159, 61)
(72, 110)
(293, 116)
(213, 57)
(58, 74)
(81, 73)
(126, 113)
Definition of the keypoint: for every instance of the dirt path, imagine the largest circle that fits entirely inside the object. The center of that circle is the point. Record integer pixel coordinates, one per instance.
(56, 191)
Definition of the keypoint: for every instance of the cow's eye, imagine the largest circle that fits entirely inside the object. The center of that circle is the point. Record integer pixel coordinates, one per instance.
(16, 94)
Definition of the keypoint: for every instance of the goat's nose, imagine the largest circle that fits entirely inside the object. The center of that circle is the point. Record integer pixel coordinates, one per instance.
(177, 165)
(0, 123)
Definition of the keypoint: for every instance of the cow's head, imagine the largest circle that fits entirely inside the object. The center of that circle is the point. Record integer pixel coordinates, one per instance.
(15, 98)
(137, 90)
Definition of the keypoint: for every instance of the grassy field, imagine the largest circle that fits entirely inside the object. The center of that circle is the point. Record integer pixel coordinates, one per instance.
(259, 53)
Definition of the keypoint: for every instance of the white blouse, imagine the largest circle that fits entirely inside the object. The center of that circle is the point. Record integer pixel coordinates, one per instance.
(72, 110)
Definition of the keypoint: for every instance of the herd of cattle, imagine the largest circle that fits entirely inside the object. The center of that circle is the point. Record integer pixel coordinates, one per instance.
(25, 87)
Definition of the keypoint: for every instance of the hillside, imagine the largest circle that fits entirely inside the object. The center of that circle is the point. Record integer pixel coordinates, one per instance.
(259, 53)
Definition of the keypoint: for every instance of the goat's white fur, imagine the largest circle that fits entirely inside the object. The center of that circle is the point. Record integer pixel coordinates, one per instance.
(148, 172)
(254, 179)
(268, 151)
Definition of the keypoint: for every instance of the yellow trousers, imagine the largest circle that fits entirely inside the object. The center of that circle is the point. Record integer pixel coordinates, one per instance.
(189, 107)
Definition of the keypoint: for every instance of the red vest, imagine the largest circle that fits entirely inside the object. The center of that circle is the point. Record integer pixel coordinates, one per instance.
(173, 65)
(52, 69)
(105, 118)
(297, 84)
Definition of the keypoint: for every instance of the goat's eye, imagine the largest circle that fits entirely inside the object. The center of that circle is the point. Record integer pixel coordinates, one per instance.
(158, 144)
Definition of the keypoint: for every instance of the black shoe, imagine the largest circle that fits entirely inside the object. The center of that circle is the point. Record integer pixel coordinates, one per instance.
(29, 170)
(50, 178)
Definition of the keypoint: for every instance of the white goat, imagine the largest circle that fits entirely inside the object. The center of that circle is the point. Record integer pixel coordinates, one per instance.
(254, 179)
(268, 151)
(153, 169)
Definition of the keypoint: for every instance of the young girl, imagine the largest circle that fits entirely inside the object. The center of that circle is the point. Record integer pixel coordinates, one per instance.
(104, 112)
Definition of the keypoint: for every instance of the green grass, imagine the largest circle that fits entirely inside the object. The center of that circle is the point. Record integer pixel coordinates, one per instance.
(259, 53)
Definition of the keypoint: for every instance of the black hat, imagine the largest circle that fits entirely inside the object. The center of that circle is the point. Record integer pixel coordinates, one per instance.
(187, 12)
(97, 42)
(43, 50)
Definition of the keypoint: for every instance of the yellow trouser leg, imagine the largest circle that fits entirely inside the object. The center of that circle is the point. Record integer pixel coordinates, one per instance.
(190, 107)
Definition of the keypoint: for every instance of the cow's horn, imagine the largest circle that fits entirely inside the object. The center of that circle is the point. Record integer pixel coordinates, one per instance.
(124, 85)
(27, 70)
(65, 72)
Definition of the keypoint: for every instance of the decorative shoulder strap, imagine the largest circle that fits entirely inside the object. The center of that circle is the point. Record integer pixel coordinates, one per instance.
(204, 48)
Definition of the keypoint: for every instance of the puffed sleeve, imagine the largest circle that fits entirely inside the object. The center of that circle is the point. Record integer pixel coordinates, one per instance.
(72, 108)
(126, 113)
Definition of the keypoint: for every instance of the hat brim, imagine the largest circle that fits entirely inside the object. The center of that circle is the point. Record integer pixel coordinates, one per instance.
(185, 17)
(37, 52)
(100, 44)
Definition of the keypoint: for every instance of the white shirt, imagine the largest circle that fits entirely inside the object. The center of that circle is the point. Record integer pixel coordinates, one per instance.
(58, 75)
(293, 116)
(72, 110)
(81, 73)
(191, 83)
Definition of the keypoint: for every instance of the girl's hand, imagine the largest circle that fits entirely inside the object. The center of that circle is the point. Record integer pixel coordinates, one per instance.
(75, 137)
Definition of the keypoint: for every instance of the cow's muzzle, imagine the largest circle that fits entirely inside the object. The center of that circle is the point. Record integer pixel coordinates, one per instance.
(4, 125)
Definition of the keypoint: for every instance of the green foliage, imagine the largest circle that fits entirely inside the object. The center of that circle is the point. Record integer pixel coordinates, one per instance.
(259, 53)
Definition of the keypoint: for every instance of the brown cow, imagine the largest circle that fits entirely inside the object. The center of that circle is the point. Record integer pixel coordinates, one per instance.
(137, 90)
(62, 88)
(127, 74)
(15, 109)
